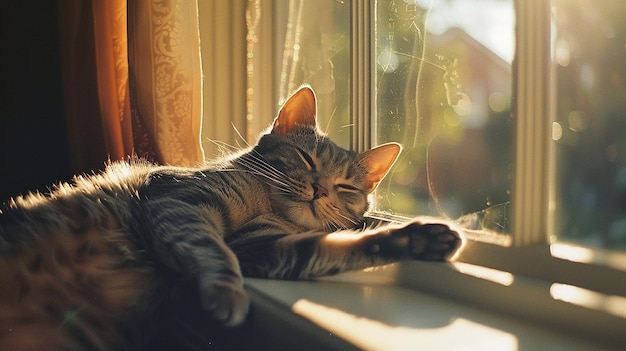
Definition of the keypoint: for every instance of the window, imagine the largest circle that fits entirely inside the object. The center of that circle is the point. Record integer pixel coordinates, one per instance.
(443, 89)
(315, 49)
(513, 120)
(440, 82)
(589, 129)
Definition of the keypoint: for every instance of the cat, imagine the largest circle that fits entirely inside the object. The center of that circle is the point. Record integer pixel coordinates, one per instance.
(83, 266)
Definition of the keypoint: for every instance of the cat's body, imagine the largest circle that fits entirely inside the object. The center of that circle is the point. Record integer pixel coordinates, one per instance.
(82, 267)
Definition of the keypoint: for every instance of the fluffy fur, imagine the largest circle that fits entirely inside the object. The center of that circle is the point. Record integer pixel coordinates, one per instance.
(83, 266)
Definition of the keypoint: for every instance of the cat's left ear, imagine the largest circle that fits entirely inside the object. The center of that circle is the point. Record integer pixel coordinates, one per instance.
(378, 162)
(298, 111)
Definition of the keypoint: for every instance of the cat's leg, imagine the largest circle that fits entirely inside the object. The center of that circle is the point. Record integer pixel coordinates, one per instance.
(276, 253)
(188, 239)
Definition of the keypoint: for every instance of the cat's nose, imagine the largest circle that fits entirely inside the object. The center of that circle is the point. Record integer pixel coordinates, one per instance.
(319, 191)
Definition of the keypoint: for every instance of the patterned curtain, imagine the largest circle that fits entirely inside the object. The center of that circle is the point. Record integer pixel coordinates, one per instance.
(166, 78)
(134, 91)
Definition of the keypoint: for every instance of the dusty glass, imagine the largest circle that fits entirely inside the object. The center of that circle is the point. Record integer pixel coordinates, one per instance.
(443, 88)
(313, 37)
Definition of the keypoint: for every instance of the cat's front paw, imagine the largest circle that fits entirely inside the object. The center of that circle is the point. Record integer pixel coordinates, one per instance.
(227, 302)
(432, 241)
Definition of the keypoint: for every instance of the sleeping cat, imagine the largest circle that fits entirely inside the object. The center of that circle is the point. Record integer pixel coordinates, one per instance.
(83, 266)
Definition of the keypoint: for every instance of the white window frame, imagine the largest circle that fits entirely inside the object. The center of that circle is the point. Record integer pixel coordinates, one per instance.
(533, 111)
(527, 254)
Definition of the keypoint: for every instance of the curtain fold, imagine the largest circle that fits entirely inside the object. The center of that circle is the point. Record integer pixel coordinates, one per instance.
(111, 45)
(132, 81)
(166, 76)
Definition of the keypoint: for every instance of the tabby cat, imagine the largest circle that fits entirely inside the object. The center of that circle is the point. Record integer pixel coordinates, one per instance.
(83, 266)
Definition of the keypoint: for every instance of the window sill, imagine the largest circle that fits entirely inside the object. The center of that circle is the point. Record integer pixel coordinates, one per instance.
(411, 305)
(372, 310)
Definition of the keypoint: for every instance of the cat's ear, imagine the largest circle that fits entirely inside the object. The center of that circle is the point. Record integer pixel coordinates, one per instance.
(378, 162)
(299, 110)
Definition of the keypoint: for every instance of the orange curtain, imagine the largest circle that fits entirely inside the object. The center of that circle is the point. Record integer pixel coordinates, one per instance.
(145, 101)
(111, 45)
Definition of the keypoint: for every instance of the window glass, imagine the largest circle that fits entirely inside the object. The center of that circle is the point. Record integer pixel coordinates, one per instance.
(443, 89)
(314, 44)
(589, 129)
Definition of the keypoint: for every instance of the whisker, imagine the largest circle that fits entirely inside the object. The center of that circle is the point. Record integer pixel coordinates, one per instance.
(225, 147)
(239, 134)
(350, 219)
(285, 188)
(260, 162)
(265, 170)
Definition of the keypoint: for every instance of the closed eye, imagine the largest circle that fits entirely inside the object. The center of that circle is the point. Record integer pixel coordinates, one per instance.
(347, 187)
(306, 158)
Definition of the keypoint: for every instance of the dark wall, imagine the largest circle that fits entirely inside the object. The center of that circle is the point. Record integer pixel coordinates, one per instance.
(33, 145)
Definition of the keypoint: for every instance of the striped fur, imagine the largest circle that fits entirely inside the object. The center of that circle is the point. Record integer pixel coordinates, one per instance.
(83, 266)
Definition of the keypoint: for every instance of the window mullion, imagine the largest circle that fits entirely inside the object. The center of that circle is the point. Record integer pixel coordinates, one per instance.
(361, 116)
(532, 112)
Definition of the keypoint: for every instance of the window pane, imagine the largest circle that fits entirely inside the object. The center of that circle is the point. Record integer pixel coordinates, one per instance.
(314, 37)
(589, 55)
(443, 88)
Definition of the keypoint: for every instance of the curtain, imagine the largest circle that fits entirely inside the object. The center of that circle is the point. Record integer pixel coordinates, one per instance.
(132, 81)
(166, 77)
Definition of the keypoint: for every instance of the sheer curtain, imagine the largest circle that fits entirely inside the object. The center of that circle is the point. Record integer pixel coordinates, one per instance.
(132, 81)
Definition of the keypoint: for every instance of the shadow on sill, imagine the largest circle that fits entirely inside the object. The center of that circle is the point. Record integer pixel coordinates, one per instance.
(184, 325)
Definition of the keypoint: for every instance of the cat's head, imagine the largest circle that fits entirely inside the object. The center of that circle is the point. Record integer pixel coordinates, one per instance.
(314, 182)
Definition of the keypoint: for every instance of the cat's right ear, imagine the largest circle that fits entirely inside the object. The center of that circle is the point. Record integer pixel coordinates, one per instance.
(378, 162)
(298, 111)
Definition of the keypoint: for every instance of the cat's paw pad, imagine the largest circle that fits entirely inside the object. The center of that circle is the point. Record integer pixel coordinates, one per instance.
(228, 303)
(432, 241)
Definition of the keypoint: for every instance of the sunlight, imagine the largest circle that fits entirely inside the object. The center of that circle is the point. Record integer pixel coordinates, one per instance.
(615, 305)
(368, 334)
(491, 26)
(344, 236)
(572, 253)
(616, 260)
(489, 274)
